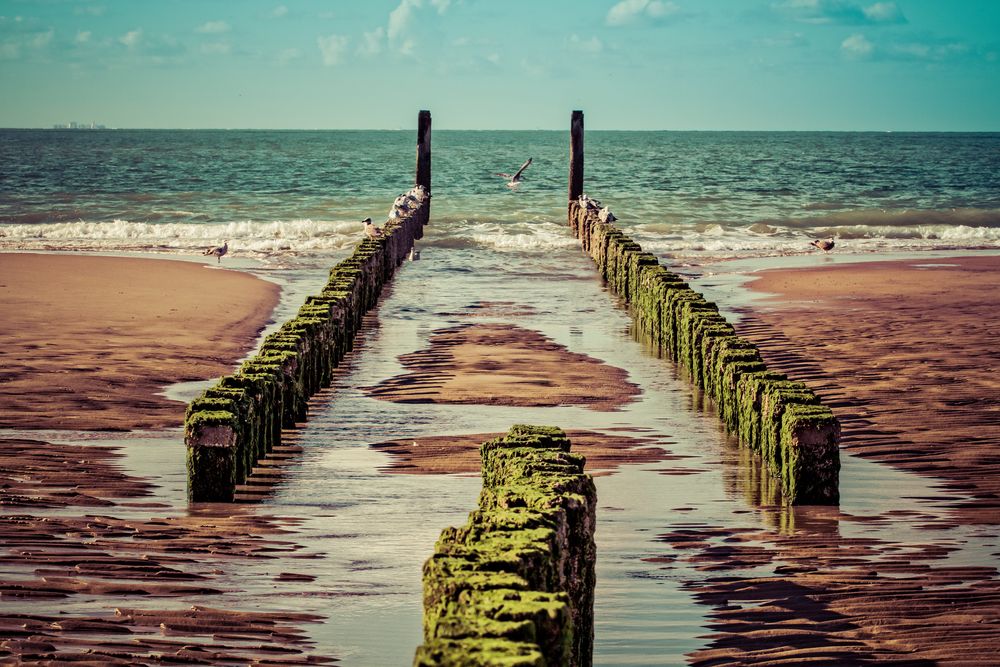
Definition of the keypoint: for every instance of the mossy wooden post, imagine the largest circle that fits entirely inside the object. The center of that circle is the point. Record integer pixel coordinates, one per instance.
(424, 162)
(576, 156)
(515, 585)
(212, 461)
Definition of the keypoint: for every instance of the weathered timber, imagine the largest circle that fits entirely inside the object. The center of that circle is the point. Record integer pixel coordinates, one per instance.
(779, 420)
(515, 585)
(239, 420)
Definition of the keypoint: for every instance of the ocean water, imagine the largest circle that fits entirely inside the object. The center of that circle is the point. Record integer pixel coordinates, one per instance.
(287, 196)
(291, 201)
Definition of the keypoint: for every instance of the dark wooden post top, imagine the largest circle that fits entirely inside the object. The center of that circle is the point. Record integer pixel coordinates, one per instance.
(424, 149)
(576, 156)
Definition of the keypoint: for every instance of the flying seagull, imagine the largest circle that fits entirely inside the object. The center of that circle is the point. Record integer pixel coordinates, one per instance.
(826, 245)
(371, 230)
(515, 180)
(218, 251)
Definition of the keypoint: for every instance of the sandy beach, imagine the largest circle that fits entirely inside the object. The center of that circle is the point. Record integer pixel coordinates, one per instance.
(874, 339)
(907, 355)
(905, 352)
(87, 342)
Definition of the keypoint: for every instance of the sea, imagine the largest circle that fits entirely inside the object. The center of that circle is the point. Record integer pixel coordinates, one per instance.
(290, 204)
(287, 196)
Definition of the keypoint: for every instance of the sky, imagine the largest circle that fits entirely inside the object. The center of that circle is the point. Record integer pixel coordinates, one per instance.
(918, 65)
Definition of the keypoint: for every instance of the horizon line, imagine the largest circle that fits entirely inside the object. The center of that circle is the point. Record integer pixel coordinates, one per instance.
(469, 129)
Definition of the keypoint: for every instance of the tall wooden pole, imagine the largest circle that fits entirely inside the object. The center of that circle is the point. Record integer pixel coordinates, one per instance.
(576, 156)
(424, 164)
(424, 149)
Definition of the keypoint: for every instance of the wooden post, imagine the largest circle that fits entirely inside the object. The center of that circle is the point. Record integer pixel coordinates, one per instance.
(424, 149)
(576, 156)
(424, 165)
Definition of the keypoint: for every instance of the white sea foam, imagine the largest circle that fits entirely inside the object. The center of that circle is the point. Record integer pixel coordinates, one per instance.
(245, 236)
(288, 238)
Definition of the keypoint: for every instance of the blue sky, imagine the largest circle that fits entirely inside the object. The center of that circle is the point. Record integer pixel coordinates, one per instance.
(511, 64)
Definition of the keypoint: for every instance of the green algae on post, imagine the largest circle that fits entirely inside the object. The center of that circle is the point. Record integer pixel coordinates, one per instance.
(271, 390)
(515, 585)
(800, 449)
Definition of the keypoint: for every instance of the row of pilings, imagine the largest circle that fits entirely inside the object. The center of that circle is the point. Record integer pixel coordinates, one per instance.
(781, 420)
(515, 585)
(239, 420)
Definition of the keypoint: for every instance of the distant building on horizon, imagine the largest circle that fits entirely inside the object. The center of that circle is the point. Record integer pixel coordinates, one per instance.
(79, 126)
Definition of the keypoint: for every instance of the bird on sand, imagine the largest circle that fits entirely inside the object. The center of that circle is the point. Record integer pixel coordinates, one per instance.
(515, 180)
(826, 245)
(371, 230)
(218, 251)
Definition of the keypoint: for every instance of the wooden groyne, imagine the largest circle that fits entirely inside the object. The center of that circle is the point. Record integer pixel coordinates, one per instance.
(515, 585)
(780, 419)
(239, 420)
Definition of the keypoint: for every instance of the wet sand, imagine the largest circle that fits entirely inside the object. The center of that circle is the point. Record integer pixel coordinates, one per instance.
(94, 572)
(906, 355)
(94, 568)
(141, 581)
(504, 364)
(459, 454)
(87, 342)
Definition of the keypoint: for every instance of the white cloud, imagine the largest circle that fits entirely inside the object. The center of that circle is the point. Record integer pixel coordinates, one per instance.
(399, 29)
(288, 55)
(10, 51)
(785, 40)
(216, 48)
(371, 42)
(333, 48)
(213, 27)
(592, 45)
(42, 39)
(400, 18)
(629, 11)
(279, 11)
(857, 46)
(132, 38)
(94, 10)
(82, 37)
(820, 12)
(884, 12)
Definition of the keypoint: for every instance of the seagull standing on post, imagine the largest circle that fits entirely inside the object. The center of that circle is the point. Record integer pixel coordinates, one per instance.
(515, 180)
(218, 251)
(371, 230)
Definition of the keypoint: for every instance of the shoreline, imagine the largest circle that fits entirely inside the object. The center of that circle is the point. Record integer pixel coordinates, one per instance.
(91, 342)
(876, 338)
(716, 562)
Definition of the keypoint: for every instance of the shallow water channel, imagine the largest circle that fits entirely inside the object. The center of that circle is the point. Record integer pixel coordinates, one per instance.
(365, 532)
(376, 528)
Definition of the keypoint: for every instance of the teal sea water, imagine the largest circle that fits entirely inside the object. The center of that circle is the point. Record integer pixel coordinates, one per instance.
(293, 201)
(286, 195)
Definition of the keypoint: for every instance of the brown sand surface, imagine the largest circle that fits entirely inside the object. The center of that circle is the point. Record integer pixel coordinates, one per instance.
(93, 569)
(906, 355)
(86, 342)
(129, 585)
(503, 364)
(448, 454)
